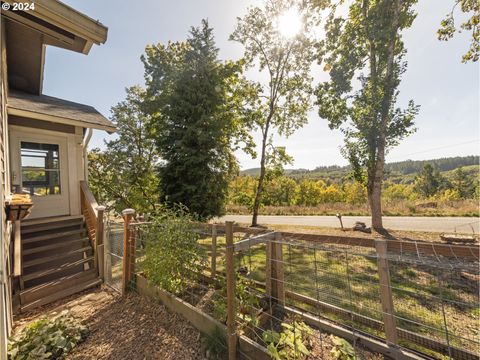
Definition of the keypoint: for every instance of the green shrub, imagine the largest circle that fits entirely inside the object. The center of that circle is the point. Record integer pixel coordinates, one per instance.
(291, 343)
(342, 349)
(246, 303)
(47, 338)
(173, 257)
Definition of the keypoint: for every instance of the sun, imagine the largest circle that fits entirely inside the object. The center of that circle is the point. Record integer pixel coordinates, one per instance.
(289, 23)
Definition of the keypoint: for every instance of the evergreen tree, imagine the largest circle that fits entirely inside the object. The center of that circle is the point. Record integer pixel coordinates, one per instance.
(428, 182)
(462, 183)
(191, 98)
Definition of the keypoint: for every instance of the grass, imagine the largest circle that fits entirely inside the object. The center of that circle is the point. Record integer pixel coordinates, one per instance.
(467, 208)
(348, 278)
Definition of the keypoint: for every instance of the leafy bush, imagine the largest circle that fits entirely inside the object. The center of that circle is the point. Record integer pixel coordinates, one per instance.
(342, 349)
(173, 257)
(246, 305)
(47, 338)
(291, 343)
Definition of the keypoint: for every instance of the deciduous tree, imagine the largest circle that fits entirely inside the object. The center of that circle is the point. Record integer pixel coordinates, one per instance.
(364, 53)
(281, 101)
(124, 174)
(472, 24)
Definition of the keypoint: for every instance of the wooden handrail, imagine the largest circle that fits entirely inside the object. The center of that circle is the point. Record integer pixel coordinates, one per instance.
(90, 201)
(94, 219)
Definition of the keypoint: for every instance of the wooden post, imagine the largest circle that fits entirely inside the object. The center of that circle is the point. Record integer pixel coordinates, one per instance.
(214, 251)
(231, 313)
(17, 249)
(107, 260)
(278, 270)
(275, 274)
(99, 236)
(268, 268)
(132, 252)
(128, 215)
(386, 293)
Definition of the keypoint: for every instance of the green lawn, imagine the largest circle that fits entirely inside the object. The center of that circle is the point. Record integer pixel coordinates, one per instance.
(350, 281)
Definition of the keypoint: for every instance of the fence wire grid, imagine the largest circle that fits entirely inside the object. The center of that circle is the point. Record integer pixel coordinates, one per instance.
(289, 291)
(114, 237)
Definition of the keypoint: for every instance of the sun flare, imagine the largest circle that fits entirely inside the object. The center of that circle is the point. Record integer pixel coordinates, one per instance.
(290, 23)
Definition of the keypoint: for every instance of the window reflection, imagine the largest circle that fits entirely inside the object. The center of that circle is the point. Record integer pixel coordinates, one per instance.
(40, 169)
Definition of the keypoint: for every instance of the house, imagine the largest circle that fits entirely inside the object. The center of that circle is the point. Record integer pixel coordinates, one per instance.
(51, 253)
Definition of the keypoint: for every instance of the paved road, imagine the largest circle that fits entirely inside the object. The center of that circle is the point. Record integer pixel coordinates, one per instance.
(432, 224)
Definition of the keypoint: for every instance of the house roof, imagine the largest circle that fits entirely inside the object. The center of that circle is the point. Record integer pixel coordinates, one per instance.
(48, 108)
(71, 28)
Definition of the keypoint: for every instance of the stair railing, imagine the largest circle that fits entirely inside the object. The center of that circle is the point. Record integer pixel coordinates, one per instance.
(94, 219)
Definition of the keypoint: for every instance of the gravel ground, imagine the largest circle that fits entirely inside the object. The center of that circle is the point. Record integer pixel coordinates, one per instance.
(130, 328)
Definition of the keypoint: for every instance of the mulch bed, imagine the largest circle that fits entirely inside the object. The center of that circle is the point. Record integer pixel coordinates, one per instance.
(131, 328)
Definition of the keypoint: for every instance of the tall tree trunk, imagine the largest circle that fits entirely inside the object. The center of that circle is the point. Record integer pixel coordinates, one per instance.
(258, 194)
(375, 188)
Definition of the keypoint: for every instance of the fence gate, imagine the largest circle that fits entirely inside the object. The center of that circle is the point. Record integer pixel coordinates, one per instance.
(114, 255)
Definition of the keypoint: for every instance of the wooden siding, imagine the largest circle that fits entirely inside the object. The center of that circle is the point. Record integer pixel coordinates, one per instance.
(5, 283)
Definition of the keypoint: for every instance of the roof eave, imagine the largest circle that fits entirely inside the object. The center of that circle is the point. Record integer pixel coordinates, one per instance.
(59, 119)
(69, 19)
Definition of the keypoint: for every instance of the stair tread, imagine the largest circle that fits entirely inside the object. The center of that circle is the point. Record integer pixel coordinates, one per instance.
(61, 294)
(32, 222)
(54, 246)
(52, 226)
(55, 257)
(79, 276)
(52, 236)
(53, 270)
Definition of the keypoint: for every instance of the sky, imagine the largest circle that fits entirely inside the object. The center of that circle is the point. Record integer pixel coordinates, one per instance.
(447, 90)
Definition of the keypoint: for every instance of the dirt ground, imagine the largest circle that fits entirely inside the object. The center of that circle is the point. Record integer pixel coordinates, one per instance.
(125, 328)
(389, 235)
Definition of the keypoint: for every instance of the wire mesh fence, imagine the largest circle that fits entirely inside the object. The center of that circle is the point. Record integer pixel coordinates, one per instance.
(114, 237)
(304, 297)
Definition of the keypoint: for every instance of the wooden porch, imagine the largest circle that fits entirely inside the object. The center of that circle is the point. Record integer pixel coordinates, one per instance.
(55, 257)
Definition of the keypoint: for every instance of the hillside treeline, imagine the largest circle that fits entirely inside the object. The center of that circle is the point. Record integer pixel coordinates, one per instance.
(429, 184)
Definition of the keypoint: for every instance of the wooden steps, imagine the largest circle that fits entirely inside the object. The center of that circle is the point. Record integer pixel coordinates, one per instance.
(53, 270)
(59, 257)
(61, 294)
(50, 247)
(58, 235)
(57, 260)
(36, 292)
(51, 220)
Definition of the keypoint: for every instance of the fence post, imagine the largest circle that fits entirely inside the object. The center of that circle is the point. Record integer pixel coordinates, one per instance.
(107, 258)
(278, 269)
(231, 313)
(268, 268)
(214, 251)
(386, 293)
(275, 274)
(99, 236)
(128, 215)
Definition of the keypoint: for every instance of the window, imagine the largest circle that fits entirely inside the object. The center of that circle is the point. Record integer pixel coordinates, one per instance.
(40, 169)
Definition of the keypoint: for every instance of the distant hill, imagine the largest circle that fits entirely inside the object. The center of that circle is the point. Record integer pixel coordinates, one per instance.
(402, 171)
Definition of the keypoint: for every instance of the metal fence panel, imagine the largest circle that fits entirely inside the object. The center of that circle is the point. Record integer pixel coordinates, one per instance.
(114, 255)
